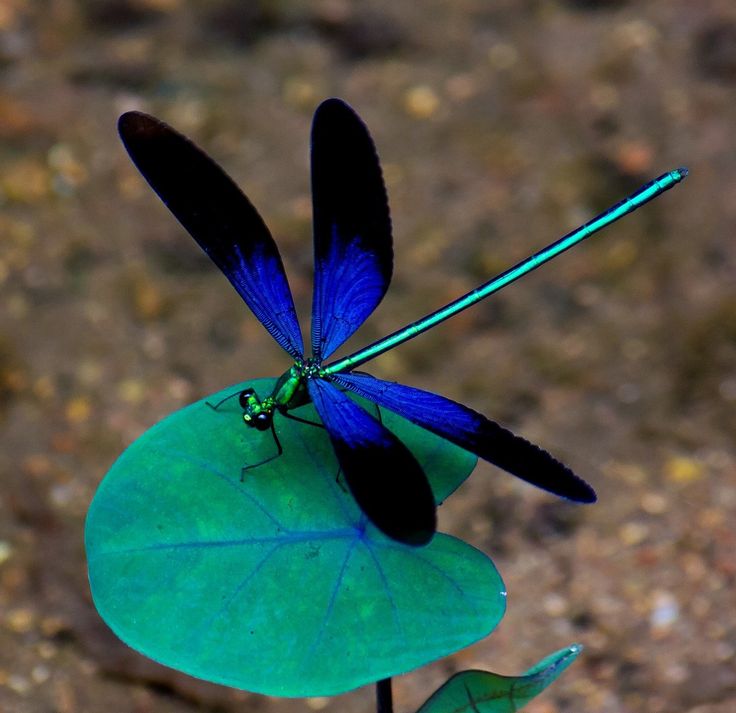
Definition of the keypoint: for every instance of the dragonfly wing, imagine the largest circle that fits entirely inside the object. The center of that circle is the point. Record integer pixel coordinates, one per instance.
(353, 256)
(474, 432)
(219, 217)
(384, 477)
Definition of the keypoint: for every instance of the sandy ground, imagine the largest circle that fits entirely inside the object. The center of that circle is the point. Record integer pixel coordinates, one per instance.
(501, 125)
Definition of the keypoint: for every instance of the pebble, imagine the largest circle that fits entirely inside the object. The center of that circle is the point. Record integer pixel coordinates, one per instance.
(40, 674)
(18, 684)
(653, 503)
(300, 93)
(27, 180)
(44, 388)
(635, 158)
(665, 611)
(633, 533)
(318, 703)
(711, 518)
(676, 673)
(20, 620)
(16, 118)
(70, 173)
(626, 473)
(421, 102)
(694, 566)
(90, 372)
(78, 410)
(554, 605)
(461, 87)
(132, 391)
(37, 465)
(635, 35)
(47, 650)
(683, 470)
(148, 301)
(52, 625)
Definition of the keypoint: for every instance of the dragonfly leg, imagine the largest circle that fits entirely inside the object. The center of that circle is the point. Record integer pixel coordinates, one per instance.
(341, 481)
(302, 420)
(279, 452)
(216, 406)
(338, 479)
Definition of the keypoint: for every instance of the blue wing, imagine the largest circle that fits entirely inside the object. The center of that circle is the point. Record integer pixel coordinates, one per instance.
(219, 217)
(353, 257)
(384, 477)
(474, 432)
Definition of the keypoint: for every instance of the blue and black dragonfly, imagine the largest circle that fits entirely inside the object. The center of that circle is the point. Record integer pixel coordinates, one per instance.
(353, 264)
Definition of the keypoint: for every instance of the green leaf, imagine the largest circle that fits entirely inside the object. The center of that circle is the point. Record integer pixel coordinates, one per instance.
(485, 692)
(273, 584)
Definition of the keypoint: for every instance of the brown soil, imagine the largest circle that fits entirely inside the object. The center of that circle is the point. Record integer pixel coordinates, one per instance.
(501, 125)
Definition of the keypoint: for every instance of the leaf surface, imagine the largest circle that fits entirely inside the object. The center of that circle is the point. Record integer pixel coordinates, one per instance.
(485, 692)
(276, 584)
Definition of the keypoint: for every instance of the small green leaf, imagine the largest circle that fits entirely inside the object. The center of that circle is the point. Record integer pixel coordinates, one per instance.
(485, 692)
(275, 584)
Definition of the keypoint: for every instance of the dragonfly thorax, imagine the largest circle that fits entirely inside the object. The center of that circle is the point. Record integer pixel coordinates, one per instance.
(289, 392)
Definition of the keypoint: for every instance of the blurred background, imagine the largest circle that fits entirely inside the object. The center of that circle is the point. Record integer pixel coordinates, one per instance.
(501, 125)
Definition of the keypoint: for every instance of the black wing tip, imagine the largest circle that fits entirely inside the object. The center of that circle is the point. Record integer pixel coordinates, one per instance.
(132, 123)
(564, 483)
(408, 531)
(557, 478)
(416, 528)
(415, 538)
(335, 104)
(335, 113)
(582, 492)
(137, 129)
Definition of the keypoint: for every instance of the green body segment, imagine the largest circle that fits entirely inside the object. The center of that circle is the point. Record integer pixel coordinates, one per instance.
(645, 194)
(288, 393)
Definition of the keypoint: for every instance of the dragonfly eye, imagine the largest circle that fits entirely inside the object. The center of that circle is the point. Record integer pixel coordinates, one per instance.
(245, 397)
(262, 421)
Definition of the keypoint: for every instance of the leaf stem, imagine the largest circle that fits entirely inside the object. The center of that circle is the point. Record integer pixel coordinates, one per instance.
(384, 698)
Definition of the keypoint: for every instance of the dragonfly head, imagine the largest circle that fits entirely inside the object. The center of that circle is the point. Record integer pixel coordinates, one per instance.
(261, 421)
(256, 413)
